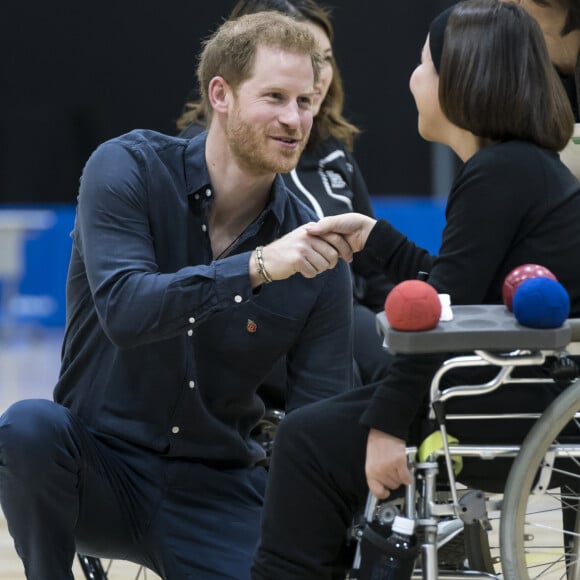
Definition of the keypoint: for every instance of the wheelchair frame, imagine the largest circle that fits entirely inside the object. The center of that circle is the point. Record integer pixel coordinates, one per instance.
(496, 339)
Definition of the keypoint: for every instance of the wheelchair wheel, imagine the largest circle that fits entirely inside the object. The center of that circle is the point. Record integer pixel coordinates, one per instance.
(540, 525)
(96, 569)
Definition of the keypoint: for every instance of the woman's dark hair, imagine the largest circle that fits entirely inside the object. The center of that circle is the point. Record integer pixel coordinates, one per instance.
(330, 120)
(573, 13)
(496, 79)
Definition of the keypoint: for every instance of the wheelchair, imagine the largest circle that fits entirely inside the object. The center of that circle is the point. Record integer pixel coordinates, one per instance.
(530, 527)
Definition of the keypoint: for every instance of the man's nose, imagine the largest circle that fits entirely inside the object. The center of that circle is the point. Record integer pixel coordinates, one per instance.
(291, 115)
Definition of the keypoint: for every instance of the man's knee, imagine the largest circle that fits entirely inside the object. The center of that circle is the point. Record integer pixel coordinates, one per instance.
(30, 431)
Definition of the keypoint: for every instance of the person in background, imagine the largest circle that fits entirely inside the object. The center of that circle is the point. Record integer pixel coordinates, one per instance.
(191, 274)
(327, 177)
(560, 23)
(512, 202)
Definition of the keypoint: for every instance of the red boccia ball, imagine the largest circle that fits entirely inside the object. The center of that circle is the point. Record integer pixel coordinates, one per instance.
(517, 276)
(413, 305)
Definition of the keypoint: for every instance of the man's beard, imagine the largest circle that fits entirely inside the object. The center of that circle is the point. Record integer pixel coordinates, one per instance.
(250, 146)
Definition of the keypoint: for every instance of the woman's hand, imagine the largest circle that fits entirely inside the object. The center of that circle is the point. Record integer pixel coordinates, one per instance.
(386, 463)
(353, 227)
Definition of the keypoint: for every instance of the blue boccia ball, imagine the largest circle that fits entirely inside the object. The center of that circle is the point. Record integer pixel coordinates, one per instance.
(541, 303)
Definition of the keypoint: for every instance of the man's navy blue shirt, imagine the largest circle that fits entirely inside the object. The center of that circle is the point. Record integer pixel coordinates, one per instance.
(165, 347)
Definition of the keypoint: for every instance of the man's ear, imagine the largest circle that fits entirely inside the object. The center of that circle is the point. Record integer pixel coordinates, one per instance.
(219, 94)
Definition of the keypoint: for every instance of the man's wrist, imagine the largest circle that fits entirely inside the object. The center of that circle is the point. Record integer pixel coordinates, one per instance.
(263, 273)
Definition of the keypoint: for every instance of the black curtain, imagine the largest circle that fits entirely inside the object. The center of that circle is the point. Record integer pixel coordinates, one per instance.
(75, 74)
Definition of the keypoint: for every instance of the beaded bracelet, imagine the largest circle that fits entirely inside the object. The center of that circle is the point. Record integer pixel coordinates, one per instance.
(260, 264)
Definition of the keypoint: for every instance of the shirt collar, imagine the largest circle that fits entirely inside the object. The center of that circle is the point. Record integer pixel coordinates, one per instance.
(278, 198)
(197, 177)
(196, 174)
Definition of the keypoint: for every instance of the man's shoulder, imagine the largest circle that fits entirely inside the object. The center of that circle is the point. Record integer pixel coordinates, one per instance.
(145, 146)
(144, 140)
(148, 138)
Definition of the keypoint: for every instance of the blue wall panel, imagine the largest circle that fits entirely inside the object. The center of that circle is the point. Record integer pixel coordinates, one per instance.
(41, 293)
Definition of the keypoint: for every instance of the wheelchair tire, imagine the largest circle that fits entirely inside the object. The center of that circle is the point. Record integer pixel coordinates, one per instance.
(530, 543)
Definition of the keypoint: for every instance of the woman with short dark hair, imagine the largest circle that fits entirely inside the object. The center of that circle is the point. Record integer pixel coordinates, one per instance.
(505, 112)
(484, 70)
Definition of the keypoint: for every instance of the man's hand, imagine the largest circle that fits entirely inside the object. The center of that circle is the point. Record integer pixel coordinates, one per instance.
(386, 464)
(354, 227)
(299, 251)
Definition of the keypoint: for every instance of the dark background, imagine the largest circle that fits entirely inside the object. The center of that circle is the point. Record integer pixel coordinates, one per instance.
(75, 74)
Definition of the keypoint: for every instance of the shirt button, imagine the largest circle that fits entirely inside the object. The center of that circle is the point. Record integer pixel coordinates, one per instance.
(204, 228)
(192, 384)
(175, 430)
(237, 298)
(208, 192)
(196, 196)
(190, 332)
(191, 320)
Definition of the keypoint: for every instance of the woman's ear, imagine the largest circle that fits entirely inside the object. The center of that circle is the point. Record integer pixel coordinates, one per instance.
(219, 94)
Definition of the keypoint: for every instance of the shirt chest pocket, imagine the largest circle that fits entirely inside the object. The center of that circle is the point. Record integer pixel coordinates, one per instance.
(250, 333)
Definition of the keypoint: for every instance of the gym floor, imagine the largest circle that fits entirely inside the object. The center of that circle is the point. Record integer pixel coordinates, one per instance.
(29, 364)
